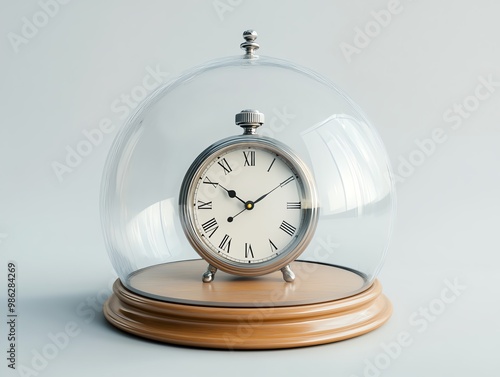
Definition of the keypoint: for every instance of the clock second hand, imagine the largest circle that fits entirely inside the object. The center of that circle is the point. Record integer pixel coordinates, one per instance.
(248, 206)
(231, 218)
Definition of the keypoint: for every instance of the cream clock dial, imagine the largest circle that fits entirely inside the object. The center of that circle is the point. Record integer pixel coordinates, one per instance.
(248, 204)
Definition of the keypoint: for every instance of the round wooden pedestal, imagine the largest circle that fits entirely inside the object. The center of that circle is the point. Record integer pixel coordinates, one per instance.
(170, 303)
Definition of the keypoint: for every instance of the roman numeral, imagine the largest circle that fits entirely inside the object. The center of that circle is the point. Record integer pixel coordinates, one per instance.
(225, 165)
(207, 181)
(210, 226)
(203, 205)
(249, 158)
(273, 246)
(270, 166)
(248, 250)
(225, 243)
(287, 228)
(293, 205)
(287, 181)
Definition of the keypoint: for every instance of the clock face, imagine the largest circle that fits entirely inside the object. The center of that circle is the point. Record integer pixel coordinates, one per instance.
(248, 205)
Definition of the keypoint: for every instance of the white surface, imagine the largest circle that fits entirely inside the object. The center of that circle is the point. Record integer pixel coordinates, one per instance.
(71, 74)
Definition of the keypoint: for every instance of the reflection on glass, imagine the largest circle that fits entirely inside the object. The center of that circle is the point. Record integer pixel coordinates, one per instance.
(351, 173)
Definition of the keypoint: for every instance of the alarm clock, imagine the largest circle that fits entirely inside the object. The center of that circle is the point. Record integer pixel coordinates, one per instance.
(248, 203)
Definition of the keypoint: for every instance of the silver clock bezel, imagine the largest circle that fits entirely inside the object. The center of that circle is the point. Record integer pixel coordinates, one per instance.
(309, 215)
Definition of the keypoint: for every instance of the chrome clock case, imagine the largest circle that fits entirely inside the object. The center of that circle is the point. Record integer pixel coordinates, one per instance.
(250, 120)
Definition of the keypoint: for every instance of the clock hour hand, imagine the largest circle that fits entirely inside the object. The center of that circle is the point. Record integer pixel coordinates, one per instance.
(286, 181)
(231, 193)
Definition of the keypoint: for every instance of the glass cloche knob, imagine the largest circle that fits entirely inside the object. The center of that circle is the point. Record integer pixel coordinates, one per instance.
(250, 45)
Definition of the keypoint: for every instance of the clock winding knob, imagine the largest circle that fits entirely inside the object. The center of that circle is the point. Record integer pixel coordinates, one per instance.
(249, 120)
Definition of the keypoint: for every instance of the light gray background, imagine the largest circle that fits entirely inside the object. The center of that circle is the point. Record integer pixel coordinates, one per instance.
(430, 56)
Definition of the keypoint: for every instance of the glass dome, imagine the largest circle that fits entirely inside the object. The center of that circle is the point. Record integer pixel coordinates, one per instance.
(153, 151)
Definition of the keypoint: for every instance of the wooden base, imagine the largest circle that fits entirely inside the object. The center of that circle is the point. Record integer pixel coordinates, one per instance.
(246, 313)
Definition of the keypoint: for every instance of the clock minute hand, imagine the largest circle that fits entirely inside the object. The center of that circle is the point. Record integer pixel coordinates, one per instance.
(263, 196)
(286, 181)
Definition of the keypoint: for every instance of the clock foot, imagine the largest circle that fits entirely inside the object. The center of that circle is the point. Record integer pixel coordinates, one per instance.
(288, 274)
(209, 275)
